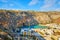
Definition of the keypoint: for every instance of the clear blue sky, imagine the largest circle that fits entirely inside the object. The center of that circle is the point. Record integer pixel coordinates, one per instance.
(37, 5)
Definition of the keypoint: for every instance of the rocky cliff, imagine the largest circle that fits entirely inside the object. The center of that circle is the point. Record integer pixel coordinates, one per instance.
(15, 18)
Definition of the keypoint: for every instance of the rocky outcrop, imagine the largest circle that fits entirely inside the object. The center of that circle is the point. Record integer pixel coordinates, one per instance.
(46, 17)
(26, 18)
(10, 20)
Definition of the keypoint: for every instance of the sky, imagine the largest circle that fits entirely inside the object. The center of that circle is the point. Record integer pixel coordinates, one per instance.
(37, 5)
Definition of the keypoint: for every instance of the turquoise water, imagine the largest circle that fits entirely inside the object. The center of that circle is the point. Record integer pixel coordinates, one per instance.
(35, 27)
(39, 26)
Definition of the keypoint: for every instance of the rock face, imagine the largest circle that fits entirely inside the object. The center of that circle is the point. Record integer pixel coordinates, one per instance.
(26, 19)
(23, 18)
(10, 20)
(18, 19)
(57, 20)
(46, 17)
(43, 19)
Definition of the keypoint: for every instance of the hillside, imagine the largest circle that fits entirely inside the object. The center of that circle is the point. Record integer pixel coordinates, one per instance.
(19, 17)
(11, 21)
